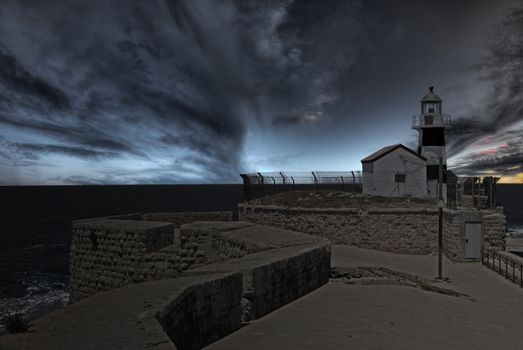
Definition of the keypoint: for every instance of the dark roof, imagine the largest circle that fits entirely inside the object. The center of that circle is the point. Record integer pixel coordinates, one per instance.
(431, 96)
(386, 150)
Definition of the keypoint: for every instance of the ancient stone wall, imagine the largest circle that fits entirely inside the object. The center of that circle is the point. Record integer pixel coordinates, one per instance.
(107, 254)
(111, 252)
(259, 269)
(453, 235)
(282, 281)
(203, 313)
(494, 229)
(291, 265)
(398, 230)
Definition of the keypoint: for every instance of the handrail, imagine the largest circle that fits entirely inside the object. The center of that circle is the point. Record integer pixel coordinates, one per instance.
(437, 120)
(510, 268)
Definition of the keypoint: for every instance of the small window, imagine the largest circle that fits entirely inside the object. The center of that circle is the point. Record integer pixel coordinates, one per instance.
(399, 178)
(431, 110)
(429, 119)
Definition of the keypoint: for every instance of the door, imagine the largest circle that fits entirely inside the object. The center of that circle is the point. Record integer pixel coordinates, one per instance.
(473, 240)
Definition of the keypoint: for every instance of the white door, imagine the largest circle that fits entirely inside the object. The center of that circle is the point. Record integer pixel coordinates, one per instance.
(473, 240)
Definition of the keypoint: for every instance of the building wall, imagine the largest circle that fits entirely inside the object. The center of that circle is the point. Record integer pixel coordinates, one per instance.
(381, 181)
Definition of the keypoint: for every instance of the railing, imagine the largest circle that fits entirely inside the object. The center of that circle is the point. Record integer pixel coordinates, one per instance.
(510, 268)
(430, 120)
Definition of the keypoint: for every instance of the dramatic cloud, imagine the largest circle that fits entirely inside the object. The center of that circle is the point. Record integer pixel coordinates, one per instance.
(502, 67)
(170, 91)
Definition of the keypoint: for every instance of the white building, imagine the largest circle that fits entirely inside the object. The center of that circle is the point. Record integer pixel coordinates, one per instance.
(395, 171)
(399, 171)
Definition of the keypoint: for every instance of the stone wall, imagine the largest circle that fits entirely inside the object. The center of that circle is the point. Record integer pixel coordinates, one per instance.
(494, 229)
(398, 230)
(282, 281)
(111, 252)
(203, 313)
(291, 265)
(108, 253)
(453, 238)
(259, 269)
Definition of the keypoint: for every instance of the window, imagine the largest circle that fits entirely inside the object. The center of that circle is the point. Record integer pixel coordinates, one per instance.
(429, 119)
(399, 178)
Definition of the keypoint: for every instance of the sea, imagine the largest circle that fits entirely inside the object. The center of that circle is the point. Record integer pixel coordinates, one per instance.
(35, 230)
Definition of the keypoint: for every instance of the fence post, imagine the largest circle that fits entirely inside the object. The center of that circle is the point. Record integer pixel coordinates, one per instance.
(315, 181)
(262, 182)
(342, 184)
(284, 189)
(353, 182)
(246, 187)
(315, 185)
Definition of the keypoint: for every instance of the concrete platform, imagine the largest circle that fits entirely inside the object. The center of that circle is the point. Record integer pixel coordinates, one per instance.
(342, 316)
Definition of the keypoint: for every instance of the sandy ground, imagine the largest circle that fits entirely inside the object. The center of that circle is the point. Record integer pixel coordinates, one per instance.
(341, 316)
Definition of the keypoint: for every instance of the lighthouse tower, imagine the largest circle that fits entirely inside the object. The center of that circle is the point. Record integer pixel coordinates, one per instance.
(431, 124)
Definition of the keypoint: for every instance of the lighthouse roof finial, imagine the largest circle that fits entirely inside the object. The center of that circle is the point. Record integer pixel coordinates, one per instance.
(431, 96)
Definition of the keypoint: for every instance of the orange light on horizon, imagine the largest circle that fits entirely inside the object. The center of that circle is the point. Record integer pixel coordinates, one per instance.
(514, 179)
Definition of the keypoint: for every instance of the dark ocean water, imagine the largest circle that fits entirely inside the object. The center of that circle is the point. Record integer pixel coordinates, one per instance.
(35, 229)
(511, 198)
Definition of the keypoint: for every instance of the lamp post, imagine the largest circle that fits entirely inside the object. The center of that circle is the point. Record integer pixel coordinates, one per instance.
(441, 205)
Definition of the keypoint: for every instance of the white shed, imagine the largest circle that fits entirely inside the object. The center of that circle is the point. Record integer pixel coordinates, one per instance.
(395, 171)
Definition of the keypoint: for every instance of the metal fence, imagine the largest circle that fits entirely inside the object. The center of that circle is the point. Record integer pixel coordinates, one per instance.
(472, 192)
(510, 268)
(257, 185)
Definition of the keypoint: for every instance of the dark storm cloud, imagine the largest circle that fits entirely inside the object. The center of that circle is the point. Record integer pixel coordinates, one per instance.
(17, 79)
(124, 75)
(506, 159)
(185, 80)
(502, 67)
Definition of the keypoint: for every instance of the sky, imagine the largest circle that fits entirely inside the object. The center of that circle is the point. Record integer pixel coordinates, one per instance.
(166, 91)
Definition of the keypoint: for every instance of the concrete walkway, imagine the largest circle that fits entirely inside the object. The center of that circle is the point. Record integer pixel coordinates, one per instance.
(342, 316)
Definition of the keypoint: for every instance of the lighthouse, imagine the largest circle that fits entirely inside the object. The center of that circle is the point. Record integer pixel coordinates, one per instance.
(431, 125)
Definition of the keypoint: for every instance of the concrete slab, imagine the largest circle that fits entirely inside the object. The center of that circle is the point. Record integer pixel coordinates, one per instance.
(340, 316)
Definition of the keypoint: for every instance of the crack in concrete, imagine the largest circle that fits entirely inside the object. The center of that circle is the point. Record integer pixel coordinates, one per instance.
(379, 275)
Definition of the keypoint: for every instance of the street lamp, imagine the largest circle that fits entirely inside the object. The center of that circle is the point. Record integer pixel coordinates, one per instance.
(441, 205)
